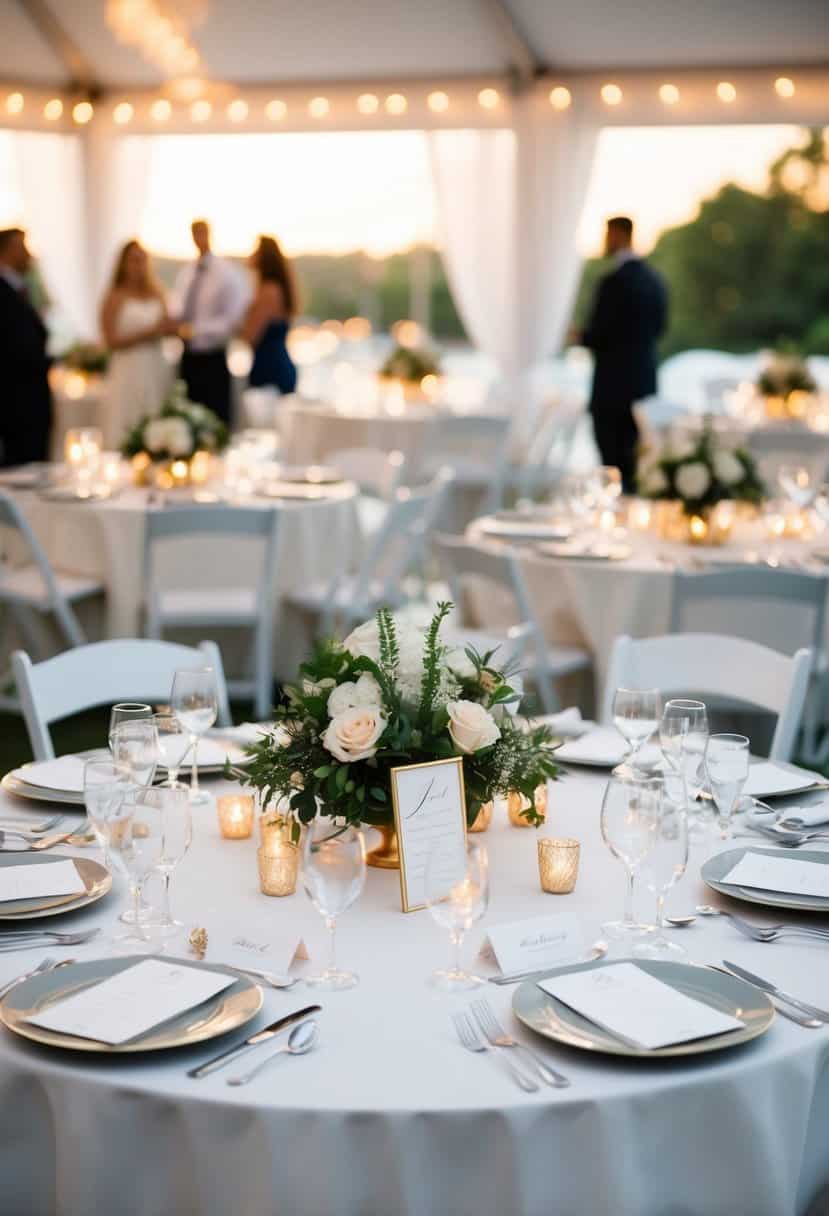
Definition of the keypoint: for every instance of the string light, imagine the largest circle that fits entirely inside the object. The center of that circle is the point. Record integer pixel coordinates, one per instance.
(122, 114)
(438, 102)
(611, 94)
(669, 94)
(396, 103)
(784, 87)
(726, 91)
(275, 109)
(237, 111)
(14, 103)
(53, 109)
(368, 103)
(318, 107)
(161, 110)
(201, 110)
(488, 99)
(560, 97)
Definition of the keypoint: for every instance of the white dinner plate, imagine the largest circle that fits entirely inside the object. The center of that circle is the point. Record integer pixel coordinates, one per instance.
(96, 879)
(572, 550)
(522, 527)
(715, 868)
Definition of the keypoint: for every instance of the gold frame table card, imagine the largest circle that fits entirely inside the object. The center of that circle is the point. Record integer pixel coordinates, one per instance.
(429, 802)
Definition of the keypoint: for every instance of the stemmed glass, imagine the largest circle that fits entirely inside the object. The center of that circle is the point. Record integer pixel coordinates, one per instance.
(195, 703)
(608, 485)
(683, 735)
(126, 711)
(173, 743)
(726, 763)
(456, 890)
(798, 483)
(170, 806)
(822, 502)
(663, 865)
(333, 874)
(134, 745)
(636, 717)
(628, 808)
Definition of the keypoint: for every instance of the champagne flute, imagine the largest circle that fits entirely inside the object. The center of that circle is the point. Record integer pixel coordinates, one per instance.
(627, 811)
(333, 874)
(135, 746)
(683, 735)
(127, 711)
(664, 865)
(636, 717)
(195, 703)
(456, 890)
(173, 743)
(170, 806)
(726, 763)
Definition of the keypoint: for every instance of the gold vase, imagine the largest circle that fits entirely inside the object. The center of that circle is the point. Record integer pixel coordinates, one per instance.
(517, 804)
(483, 819)
(385, 855)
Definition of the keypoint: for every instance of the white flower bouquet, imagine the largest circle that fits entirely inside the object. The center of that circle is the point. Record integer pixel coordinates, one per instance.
(699, 471)
(179, 429)
(394, 694)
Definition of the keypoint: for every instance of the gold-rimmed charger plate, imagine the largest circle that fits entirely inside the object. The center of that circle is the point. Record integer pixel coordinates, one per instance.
(95, 877)
(722, 991)
(225, 1011)
(715, 869)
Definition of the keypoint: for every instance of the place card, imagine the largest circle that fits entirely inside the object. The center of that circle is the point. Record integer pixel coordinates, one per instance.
(261, 951)
(429, 815)
(535, 943)
(789, 875)
(625, 1000)
(40, 881)
(132, 1002)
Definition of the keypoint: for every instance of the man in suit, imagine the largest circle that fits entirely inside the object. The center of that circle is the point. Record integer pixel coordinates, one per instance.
(25, 398)
(628, 316)
(209, 302)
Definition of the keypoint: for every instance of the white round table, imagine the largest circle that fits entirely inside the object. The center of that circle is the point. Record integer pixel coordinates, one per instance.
(390, 1115)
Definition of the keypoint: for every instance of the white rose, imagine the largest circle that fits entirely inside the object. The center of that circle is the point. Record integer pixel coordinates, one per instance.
(155, 435)
(727, 468)
(471, 726)
(654, 481)
(179, 437)
(364, 691)
(354, 733)
(460, 663)
(692, 480)
(315, 689)
(681, 447)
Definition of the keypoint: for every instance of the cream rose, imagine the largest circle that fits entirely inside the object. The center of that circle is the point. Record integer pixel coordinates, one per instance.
(728, 468)
(471, 726)
(179, 437)
(363, 691)
(155, 435)
(353, 734)
(692, 480)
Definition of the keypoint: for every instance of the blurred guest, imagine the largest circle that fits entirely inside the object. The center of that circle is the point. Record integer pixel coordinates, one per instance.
(628, 316)
(134, 319)
(268, 318)
(209, 303)
(26, 414)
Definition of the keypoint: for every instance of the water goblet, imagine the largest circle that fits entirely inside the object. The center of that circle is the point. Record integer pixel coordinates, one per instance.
(194, 700)
(636, 717)
(170, 807)
(726, 763)
(173, 742)
(663, 866)
(134, 745)
(683, 734)
(456, 890)
(127, 711)
(627, 811)
(333, 874)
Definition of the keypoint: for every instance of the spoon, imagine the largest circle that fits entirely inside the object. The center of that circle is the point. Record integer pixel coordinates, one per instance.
(680, 922)
(301, 1039)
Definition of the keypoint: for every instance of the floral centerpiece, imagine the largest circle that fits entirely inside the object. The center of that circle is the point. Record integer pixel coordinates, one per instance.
(394, 694)
(180, 430)
(786, 385)
(411, 367)
(87, 358)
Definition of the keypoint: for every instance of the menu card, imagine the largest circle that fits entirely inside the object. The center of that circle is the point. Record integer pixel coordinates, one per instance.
(133, 1001)
(790, 875)
(430, 817)
(535, 943)
(260, 951)
(637, 1008)
(35, 881)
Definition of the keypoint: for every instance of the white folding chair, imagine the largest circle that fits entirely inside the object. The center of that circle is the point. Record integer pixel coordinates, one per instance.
(398, 547)
(375, 471)
(476, 448)
(102, 673)
(538, 466)
(712, 665)
(246, 606)
(499, 568)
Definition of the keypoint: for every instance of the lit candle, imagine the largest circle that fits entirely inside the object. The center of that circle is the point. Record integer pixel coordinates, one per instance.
(278, 868)
(558, 865)
(235, 816)
(639, 515)
(200, 468)
(698, 528)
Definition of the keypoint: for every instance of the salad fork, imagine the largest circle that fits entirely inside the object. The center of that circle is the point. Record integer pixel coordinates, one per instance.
(498, 1037)
(764, 933)
(472, 1040)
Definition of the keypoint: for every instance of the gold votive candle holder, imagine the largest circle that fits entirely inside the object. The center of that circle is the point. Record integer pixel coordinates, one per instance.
(483, 819)
(517, 804)
(558, 865)
(235, 816)
(274, 831)
(278, 868)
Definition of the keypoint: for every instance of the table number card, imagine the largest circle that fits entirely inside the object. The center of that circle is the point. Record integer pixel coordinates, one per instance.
(429, 814)
(259, 950)
(535, 943)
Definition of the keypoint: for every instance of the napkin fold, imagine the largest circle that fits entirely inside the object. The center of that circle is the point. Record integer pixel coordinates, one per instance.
(567, 724)
(64, 774)
(601, 746)
(804, 816)
(244, 734)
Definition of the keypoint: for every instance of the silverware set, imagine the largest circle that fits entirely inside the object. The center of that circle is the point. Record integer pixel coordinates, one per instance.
(479, 1031)
(792, 1007)
(28, 939)
(756, 933)
(17, 839)
(301, 1045)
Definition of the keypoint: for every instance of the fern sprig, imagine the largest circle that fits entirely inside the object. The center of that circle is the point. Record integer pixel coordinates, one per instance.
(430, 680)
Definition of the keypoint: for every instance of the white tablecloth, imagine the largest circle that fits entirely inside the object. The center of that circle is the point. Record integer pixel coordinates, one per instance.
(313, 431)
(390, 1115)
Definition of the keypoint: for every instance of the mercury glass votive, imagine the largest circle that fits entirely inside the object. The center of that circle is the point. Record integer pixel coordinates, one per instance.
(558, 865)
(235, 816)
(278, 868)
(517, 804)
(483, 819)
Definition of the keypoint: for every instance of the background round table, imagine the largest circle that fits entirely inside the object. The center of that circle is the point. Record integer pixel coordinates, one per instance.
(390, 1115)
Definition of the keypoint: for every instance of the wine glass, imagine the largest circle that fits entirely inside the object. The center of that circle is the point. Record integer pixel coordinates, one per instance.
(663, 865)
(333, 874)
(134, 745)
(456, 890)
(798, 483)
(173, 743)
(608, 481)
(195, 703)
(636, 717)
(627, 812)
(126, 711)
(726, 763)
(683, 735)
(170, 805)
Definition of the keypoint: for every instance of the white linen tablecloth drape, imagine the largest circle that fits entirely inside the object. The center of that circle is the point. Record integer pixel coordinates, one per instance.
(390, 1116)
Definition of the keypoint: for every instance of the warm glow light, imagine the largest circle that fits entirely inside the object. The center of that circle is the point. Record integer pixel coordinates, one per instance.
(53, 109)
(611, 94)
(438, 102)
(726, 91)
(560, 97)
(201, 110)
(669, 94)
(82, 112)
(488, 98)
(318, 107)
(161, 110)
(356, 329)
(275, 110)
(237, 111)
(14, 103)
(784, 87)
(396, 103)
(368, 103)
(123, 113)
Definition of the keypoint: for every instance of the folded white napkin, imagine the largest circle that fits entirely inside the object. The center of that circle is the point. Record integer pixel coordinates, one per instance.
(767, 780)
(65, 774)
(243, 734)
(567, 724)
(215, 751)
(804, 816)
(602, 746)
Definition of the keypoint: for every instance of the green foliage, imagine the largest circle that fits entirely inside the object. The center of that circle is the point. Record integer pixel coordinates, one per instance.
(87, 357)
(406, 363)
(202, 429)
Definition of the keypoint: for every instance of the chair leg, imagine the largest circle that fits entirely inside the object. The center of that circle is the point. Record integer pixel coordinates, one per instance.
(262, 668)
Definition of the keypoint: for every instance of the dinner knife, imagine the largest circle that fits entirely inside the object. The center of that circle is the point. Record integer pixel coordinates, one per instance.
(765, 986)
(261, 1036)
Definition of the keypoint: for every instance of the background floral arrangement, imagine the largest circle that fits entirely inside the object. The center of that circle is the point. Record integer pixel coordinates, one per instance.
(86, 357)
(395, 694)
(785, 374)
(178, 430)
(700, 471)
(407, 363)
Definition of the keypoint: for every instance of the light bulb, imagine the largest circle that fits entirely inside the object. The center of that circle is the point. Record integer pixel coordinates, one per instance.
(488, 99)
(438, 102)
(611, 94)
(14, 103)
(53, 109)
(560, 97)
(368, 103)
(669, 94)
(122, 113)
(82, 112)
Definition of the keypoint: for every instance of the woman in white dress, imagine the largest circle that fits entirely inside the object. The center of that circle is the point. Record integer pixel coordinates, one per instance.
(134, 319)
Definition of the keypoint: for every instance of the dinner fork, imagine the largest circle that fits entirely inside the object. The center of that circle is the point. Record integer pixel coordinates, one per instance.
(764, 933)
(498, 1037)
(471, 1039)
(46, 965)
(30, 941)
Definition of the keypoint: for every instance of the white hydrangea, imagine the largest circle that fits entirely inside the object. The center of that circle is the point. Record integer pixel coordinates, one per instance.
(692, 480)
(727, 468)
(681, 447)
(363, 691)
(654, 481)
(179, 437)
(155, 435)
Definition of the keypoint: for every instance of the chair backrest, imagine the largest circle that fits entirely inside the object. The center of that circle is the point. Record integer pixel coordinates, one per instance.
(460, 559)
(106, 672)
(464, 439)
(374, 470)
(11, 516)
(713, 665)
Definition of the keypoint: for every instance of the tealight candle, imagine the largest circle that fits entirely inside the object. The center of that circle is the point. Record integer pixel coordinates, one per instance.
(235, 816)
(558, 865)
(278, 866)
(200, 468)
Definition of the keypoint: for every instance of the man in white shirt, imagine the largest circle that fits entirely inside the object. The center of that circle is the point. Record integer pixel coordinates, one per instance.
(209, 302)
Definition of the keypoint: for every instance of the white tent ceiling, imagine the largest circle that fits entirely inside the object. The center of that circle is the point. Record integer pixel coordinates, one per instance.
(265, 41)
